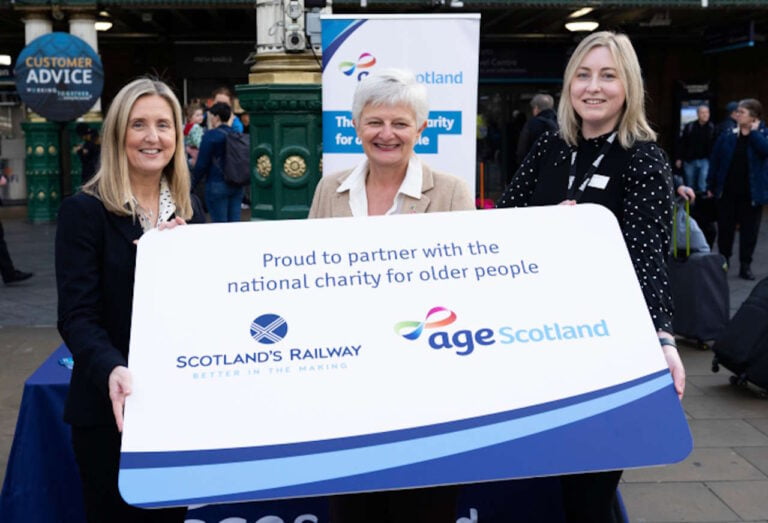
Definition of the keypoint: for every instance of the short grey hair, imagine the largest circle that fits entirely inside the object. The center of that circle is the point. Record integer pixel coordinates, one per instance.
(542, 101)
(391, 87)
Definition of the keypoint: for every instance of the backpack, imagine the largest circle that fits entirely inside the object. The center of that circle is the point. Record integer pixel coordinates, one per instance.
(236, 164)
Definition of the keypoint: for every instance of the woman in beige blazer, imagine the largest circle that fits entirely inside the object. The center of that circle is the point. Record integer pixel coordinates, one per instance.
(390, 111)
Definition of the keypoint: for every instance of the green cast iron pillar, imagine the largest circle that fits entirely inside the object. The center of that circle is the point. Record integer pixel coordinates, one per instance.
(284, 102)
(42, 170)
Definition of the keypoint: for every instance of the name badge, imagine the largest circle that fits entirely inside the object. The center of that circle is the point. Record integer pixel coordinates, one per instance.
(599, 181)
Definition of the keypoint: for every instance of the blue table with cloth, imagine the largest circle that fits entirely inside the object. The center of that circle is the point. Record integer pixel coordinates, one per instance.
(42, 484)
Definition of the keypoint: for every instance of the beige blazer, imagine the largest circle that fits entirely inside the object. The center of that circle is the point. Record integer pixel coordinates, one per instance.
(439, 193)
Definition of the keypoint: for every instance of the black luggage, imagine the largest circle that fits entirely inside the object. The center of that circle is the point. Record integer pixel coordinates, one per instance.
(743, 347)
(700, 293)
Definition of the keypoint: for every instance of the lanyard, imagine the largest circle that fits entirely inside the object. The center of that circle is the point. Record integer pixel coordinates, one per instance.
(574, 193)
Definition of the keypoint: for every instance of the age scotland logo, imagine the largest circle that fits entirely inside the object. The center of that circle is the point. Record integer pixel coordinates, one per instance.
(269, 328)
(465, 341)
(364, 61)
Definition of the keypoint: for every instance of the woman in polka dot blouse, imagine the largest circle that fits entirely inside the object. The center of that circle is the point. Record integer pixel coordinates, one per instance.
(605, 153)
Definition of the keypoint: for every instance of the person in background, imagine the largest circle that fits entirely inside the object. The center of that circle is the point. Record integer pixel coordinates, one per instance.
(389, 111)
(221, 198)
(738, 179)
(606, 153)
(224, 95)
(245, 118)
(88, 151)
(696, 142)
(142, 184)
(8, 271)
(729, 123)
(193, 131)
(544, 119)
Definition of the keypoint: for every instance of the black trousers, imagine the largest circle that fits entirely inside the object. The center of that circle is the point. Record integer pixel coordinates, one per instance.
(741, 212)
(6, 265)
(97, 452)
(426, 505)
(591, 498)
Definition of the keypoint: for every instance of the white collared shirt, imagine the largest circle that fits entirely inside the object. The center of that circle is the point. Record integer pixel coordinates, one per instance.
(358, 198)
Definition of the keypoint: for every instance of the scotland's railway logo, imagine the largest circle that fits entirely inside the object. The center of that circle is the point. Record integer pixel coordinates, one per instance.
(269, 328)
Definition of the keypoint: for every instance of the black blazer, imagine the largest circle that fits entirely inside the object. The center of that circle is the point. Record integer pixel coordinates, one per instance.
(95, 265)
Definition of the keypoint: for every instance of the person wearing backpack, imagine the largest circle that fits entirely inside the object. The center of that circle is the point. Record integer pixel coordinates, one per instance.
(221, 197)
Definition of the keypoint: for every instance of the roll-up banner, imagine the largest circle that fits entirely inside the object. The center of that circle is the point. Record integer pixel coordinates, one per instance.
(441, 50)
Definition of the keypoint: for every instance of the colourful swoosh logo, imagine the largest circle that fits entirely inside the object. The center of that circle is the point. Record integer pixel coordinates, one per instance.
(364, 61)
(415, 328)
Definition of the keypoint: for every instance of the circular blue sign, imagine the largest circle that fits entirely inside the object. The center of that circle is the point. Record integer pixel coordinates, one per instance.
(59, 76)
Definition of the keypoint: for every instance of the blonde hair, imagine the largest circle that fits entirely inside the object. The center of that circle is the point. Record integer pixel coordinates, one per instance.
(111, 184)
(633, 125)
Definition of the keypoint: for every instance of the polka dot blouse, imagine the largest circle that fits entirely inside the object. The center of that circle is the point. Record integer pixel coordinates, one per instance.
(150, 219)
(639, 193)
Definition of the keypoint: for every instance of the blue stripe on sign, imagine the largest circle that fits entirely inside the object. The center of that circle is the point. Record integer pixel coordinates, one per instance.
(334, 33)
(150, 485)
(130, 460)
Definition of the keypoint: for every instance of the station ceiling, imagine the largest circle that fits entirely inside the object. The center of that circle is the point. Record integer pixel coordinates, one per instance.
(235, 20)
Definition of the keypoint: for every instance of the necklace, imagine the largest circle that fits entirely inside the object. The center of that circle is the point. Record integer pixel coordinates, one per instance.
(146, 216)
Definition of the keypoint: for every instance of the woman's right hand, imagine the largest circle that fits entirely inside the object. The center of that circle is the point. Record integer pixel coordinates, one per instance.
(567, 202)
(120, 385)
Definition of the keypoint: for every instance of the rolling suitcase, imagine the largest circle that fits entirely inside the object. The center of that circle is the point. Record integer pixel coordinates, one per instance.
(743, 347)
(699, 291)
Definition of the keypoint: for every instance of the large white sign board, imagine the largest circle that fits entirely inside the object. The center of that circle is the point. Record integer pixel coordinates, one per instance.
(295, 358)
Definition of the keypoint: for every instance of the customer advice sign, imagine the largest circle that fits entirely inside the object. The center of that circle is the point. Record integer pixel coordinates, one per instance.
(59, 76)
(301, 358)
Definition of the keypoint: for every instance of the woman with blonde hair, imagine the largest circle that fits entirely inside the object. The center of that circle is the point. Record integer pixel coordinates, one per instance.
(605, 153)
(142, 184)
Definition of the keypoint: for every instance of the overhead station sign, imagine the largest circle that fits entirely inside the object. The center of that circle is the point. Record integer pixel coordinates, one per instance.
(59, 76)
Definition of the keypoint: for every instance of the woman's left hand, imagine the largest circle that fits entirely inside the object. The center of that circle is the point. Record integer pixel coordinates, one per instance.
(567, 202)
(167, 225)
(686, 193)
(675, 365)
(171, 224)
